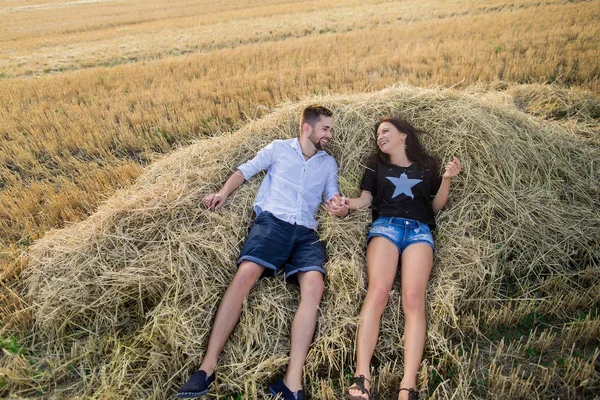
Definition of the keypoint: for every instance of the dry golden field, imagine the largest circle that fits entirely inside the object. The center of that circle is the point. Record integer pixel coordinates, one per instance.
(93, 91)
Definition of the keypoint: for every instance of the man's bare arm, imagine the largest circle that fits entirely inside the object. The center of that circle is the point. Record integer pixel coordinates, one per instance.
(216, 200)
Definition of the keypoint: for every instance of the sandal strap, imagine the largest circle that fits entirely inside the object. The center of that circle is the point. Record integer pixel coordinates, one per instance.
(359, 381)
(412, 393)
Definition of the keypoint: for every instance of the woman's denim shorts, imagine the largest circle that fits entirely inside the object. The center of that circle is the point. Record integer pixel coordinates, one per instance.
(402, 232)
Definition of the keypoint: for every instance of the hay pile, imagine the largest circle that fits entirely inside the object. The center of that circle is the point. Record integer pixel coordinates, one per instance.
(123, 301)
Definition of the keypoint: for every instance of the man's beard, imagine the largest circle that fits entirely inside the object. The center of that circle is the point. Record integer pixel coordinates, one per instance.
(317, 145)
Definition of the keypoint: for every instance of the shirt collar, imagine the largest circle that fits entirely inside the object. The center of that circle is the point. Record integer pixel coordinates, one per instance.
(295, 144)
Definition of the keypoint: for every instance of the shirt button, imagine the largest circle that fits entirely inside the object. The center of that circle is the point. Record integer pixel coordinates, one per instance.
(407, 223)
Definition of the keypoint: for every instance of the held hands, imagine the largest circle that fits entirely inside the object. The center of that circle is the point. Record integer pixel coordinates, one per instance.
(338, 206)
(214, 201)
(452, 169)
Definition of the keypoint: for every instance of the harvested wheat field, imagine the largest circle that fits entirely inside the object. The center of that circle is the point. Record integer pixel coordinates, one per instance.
(122, 302)
(93, 90)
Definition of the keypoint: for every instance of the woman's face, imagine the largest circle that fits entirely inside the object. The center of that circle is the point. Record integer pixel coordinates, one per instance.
(389, 138)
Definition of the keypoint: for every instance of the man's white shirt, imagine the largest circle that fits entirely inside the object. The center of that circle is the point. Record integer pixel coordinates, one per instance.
(293, 187)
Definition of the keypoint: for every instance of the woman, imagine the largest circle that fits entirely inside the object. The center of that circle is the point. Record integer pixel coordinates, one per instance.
(403, 186)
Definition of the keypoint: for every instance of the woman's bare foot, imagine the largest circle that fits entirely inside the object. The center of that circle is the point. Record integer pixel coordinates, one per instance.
(360, 389)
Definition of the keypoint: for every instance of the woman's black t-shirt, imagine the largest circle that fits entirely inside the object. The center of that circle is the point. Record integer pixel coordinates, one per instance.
(404, 192)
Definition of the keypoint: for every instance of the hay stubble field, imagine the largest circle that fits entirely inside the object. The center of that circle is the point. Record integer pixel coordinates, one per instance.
(92, 92)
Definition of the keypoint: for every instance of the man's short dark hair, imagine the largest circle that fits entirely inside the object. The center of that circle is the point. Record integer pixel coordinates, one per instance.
(312, 114)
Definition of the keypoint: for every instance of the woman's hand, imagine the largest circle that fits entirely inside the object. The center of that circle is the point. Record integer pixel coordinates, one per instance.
(338, 206)
(452, 169)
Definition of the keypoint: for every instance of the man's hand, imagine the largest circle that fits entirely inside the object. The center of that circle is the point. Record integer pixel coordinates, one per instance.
(338, 206)
(214, 201)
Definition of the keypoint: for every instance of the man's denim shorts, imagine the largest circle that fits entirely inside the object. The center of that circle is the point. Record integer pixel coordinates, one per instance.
(275, 244)
(402, 232)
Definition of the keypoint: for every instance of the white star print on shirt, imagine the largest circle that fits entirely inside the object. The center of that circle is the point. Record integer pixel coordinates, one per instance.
(403, 185)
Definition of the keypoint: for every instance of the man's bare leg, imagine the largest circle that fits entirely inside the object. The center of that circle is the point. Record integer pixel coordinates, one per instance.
(303, 326)
(228, 313)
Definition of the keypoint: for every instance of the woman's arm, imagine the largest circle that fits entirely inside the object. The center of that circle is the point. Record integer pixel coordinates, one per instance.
(452, 169)
(341, 206)
(363, 201)
(440, 199)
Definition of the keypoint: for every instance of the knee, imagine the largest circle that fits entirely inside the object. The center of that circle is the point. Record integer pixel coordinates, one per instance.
(247, 274)
(377, 297)
(312, 286)
(413, 301)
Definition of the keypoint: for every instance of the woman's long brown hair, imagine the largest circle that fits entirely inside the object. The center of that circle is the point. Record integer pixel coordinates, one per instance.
(415, 151)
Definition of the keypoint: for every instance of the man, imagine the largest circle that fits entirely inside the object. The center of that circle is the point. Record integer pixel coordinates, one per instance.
(283, 237)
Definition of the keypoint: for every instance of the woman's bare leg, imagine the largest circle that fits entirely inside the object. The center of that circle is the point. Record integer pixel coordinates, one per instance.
(417, 260)
(382, 264)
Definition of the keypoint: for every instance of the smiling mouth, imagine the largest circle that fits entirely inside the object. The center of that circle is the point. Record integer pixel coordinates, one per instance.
(383, 142)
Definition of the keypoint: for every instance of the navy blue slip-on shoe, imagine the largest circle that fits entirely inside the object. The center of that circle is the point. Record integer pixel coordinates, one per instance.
(280, 391)
(196, 386)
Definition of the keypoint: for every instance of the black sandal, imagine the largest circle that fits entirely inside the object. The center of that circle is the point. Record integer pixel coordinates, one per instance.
(359, 381)
(412, 393)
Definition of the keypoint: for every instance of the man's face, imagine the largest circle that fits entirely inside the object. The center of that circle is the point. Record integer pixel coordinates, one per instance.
(321, 133)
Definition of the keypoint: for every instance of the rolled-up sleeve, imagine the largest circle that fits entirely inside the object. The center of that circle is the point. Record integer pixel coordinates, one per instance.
(260, 162)
(331, 185)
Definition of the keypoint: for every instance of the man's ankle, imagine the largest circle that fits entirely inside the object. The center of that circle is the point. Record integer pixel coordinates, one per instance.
(293, 384)
(209, 368)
